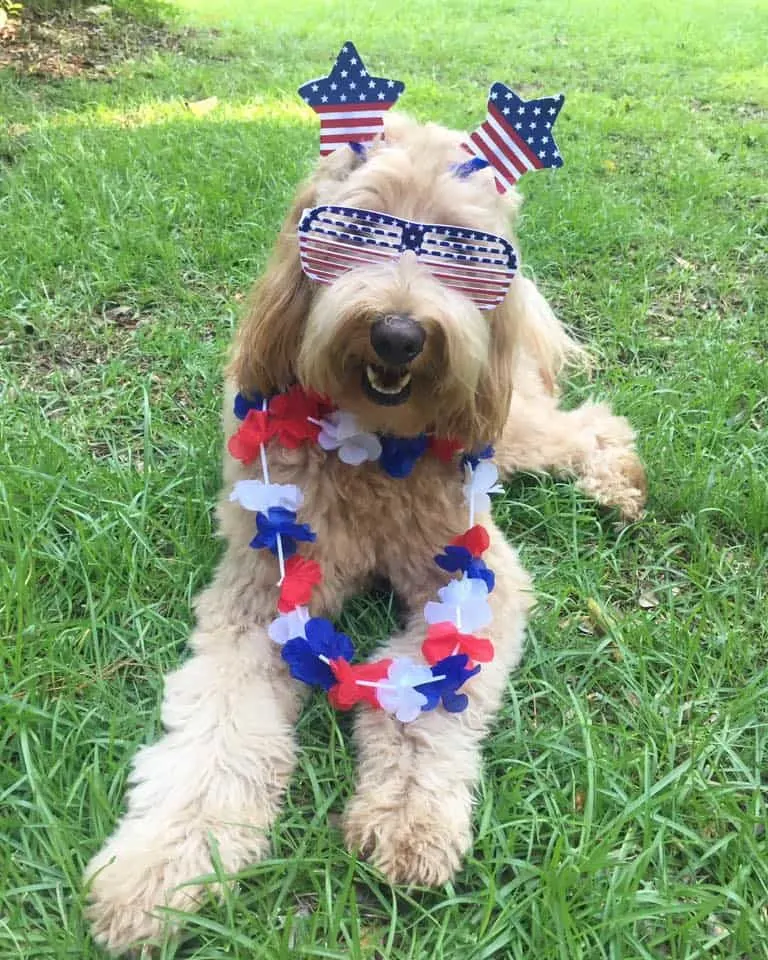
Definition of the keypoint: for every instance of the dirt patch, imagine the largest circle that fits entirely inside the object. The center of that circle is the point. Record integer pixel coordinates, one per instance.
(60, 46)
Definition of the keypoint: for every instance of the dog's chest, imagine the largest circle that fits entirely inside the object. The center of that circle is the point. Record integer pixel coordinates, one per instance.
(364, 503)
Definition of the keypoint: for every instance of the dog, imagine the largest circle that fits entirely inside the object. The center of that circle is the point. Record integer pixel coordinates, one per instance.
(407, 356)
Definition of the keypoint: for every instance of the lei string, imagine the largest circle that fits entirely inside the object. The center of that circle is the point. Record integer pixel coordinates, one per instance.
(315, 652)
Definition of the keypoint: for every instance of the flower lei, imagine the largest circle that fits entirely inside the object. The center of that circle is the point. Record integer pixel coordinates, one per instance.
(314, 651)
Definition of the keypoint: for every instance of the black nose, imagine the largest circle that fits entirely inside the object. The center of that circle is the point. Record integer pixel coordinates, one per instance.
(397, 339)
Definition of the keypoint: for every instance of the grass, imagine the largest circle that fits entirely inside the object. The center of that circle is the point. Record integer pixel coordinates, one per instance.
(622, 811)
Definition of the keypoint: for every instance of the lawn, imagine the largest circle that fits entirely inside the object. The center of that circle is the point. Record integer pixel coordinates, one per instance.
(622, 812)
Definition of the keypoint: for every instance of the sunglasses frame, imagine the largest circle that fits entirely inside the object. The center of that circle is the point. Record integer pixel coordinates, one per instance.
(479, 265)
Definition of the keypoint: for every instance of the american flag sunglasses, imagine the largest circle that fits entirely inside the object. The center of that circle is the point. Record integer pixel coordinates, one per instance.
(334, 240)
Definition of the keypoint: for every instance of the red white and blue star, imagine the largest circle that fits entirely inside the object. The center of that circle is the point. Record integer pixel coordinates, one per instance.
(516, 136)
(350, 102)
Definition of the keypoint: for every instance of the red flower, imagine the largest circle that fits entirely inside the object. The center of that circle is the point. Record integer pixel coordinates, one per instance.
(347, 692)
(253, 433)
(444, 448)
(476, 540)
(289, 417)
(300, 577)
(444, 640)
(324, 404)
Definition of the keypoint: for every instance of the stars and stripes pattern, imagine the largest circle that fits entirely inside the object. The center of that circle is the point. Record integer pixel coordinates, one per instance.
(517, 135)
(350, 103)
(334, 240)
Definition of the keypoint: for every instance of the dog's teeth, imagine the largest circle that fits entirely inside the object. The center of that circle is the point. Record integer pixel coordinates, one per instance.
(376, 383)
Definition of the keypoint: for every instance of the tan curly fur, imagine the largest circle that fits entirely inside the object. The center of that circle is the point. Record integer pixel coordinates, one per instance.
(220, 770)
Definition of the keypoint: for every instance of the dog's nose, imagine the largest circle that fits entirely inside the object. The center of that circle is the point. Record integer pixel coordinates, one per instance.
(397, 339)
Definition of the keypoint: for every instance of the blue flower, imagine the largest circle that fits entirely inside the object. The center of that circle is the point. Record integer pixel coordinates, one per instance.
(459, 558)
(305, 665)
(399, 454)
(472, 459)
(454, 558)
(322, 640)
(453, 674)
(477, 570)
(243, 404)
(278, 521)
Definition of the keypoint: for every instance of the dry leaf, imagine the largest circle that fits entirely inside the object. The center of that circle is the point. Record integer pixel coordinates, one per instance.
(201, 107)
(648, 600)
(122, 315)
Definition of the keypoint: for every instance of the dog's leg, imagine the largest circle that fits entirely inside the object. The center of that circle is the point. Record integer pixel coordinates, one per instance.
(589, 443)
(218, 774)
(411, 813)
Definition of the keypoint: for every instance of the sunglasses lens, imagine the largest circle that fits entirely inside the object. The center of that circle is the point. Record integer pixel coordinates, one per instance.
(479, 265)
(333, 240)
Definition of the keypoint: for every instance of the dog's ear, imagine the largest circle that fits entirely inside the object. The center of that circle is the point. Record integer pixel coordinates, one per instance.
(494, 390)
(525, 331)
(269, 336)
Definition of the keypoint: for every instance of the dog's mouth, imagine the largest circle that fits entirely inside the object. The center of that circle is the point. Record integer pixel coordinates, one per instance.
(387, 386)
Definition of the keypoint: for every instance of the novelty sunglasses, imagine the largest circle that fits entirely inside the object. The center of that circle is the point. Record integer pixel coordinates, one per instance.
(334, 240)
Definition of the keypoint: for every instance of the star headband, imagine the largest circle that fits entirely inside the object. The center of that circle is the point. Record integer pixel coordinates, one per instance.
(350, 103)
(515, 137)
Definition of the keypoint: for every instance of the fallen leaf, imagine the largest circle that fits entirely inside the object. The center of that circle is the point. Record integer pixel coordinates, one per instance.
(648, 600)
(122, 315)
(201, 107)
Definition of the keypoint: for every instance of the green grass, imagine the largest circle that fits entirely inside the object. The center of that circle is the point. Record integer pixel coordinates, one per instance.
(622, 812)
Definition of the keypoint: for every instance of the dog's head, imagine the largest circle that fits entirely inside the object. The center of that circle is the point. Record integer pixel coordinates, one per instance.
(388, 341)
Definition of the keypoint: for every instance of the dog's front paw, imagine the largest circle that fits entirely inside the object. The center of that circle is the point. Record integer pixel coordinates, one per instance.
(412, 838)
(611, 472)
(128, 889)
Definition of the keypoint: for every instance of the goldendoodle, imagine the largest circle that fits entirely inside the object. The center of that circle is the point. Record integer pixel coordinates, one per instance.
(367, 382)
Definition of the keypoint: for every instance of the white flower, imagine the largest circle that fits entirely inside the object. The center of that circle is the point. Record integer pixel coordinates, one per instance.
(479, 483)
(287, 626)
(258, 496)
(341, 431)
(397, 694)
(464, 603)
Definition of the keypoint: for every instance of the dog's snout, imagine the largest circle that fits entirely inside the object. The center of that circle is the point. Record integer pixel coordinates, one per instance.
(397, 339)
